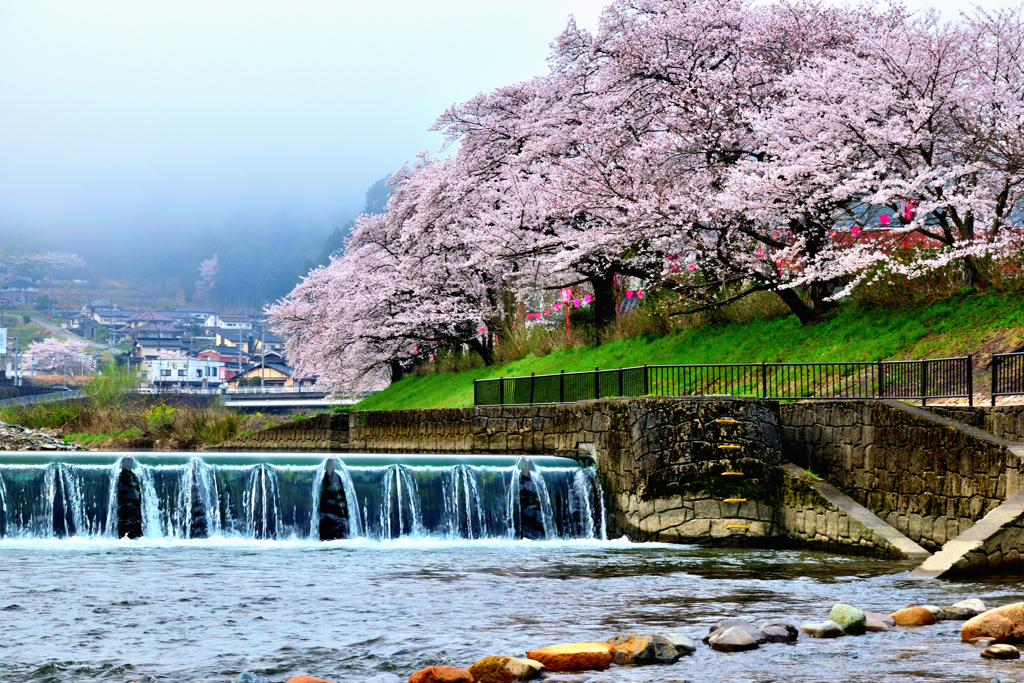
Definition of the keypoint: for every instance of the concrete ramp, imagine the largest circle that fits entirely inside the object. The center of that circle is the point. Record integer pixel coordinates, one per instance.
(993, 543)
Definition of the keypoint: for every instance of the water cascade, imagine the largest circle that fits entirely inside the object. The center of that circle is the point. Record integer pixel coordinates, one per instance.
(298, 497)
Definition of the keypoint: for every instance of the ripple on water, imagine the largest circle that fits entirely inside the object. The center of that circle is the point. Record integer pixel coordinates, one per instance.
(170, 610)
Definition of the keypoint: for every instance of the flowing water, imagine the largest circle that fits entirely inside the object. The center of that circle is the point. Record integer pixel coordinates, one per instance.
(261, 596)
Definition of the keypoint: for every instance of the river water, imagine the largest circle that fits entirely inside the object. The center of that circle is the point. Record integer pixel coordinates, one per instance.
(205, 610)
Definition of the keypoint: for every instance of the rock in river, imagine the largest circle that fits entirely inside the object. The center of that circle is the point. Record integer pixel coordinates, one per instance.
(306, 679)
(913, 616)
(572, 656)
(441, 674)
(966, 609)
(779, 631)
(826, 629)
(1002, 623)
(853, 620)
(683, 645)
(503, 669)
(726, 624)
(1000, 651)
(643, 648)
(733, 639)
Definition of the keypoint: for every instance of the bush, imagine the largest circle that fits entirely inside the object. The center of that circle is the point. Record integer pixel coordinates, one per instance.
(27, 319)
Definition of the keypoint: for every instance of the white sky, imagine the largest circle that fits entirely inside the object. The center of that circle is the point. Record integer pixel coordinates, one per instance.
(144, 113)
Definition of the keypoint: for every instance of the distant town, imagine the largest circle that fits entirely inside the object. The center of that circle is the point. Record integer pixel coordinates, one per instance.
(179, 349)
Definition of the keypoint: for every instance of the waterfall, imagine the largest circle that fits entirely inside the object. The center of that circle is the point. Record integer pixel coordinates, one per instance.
(440, 497)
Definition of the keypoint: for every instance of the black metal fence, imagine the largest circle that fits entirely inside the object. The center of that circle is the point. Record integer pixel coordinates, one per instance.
(1007, 375)
(910, 379)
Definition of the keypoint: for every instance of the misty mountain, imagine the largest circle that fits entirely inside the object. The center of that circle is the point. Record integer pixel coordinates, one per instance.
(376, 200)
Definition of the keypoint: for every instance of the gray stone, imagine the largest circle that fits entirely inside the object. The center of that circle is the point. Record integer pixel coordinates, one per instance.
(941, 614)
(884, 618)
(873, 625)
(1002, 680)
(683, 645)
(733, 639)
(726, 624)
(982, 641)
(966, 609)
(250, 677)
(566, 678)
(825, 629)
(852, 620)
(779, 631)
(1000, 651)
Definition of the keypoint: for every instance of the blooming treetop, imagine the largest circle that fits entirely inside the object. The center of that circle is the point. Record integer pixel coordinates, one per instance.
(53, 355)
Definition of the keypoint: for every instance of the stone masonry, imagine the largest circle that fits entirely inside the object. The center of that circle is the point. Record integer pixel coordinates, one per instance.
(925, 476)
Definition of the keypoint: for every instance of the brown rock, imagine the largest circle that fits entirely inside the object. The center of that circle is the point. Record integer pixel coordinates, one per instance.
(1000, 651)
(503, 669)
(913, 616)
(441, 674)
(1002, 623)
(306, 679)
(571, 657)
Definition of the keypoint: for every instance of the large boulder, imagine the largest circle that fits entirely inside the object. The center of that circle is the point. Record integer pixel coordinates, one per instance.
(643, 648)
(778, 631)
(853, 620)
(726, 624)
(912, 615)
(683, 645)
(1002, 623)
(441, 674)
(1000, 651)
(733, 639)
(572, 656)
(825, 629)
(502, 669)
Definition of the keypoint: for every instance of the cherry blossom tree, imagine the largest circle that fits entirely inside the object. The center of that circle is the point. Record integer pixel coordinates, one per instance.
(54, 355)
(207, 277)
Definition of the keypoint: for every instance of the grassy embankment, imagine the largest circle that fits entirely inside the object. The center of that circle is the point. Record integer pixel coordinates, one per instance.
(112, 418)
(966, 324)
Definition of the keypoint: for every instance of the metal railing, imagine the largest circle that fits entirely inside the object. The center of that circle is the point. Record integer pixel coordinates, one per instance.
(905, 379)
(1007, 375)
(42, 398)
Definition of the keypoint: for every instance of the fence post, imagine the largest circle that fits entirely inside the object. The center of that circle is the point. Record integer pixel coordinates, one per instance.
(531, 388)
(647, 388)
(476, 392)
(501, 391)
(881, 380)
(764, 380)
(995, 378)
(597, 384)
(561, 386)
(924, 383)
(621, 390)
(970, 380)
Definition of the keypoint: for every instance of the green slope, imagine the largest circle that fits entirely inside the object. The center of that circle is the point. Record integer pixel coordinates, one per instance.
(970, 324)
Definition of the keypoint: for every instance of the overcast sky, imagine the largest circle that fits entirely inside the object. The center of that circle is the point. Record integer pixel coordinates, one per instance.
(133, 114)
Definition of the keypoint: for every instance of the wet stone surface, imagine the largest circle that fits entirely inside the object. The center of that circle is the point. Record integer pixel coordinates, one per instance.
(15, 438)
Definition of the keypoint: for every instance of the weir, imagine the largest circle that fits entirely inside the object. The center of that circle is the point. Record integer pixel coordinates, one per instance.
(298, 496)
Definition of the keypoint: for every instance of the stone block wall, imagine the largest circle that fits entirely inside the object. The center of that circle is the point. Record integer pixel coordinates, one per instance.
(1005, 422)
(327, 433)
(929, 480)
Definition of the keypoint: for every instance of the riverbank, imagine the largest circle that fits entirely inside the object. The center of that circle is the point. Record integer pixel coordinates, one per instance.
(969, 324)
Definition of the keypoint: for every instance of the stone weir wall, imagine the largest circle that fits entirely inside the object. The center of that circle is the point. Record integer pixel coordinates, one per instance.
(1005, 422)
(927, 477)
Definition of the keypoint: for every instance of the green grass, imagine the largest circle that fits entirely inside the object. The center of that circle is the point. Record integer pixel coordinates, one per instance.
(84, 438)
(967, 324)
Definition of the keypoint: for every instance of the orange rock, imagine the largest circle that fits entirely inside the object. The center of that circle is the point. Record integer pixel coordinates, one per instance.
(306, 679)
(1002, 623)
(573, 656)
(913, 616)
(441, 674)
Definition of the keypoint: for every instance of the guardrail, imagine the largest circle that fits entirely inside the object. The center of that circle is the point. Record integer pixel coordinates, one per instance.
(1007, 375)
(42, 398)
(909, 380)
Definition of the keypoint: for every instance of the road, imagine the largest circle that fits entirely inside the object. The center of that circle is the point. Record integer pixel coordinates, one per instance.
(64, 334)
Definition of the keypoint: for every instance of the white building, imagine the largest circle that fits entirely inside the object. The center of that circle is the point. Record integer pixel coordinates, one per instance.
(228, 322)
(186, 372)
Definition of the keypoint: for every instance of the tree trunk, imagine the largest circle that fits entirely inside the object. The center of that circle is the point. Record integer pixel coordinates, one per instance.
(805, 313)
(604, 302)
(485, 350)
(396, 370)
